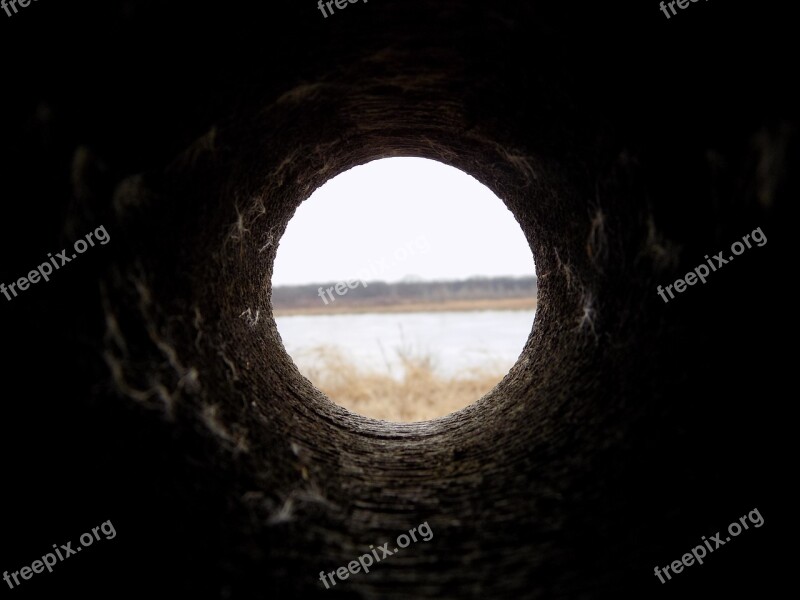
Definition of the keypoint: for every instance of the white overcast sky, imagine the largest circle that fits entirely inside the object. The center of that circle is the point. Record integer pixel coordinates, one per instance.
(399, 218)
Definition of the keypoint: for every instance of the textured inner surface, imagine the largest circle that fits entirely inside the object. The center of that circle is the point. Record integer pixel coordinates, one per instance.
(628, 427)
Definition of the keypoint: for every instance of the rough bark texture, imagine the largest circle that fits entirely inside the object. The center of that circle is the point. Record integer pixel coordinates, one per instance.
(151, 378)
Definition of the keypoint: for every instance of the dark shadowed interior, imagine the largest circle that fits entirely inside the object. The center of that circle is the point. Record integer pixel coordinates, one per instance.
(147, 383)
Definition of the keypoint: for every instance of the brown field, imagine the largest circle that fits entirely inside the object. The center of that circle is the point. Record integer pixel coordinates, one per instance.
(420, 395)
(449, 305)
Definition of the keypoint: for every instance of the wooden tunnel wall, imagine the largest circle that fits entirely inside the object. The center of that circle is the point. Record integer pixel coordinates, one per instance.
(147, 383)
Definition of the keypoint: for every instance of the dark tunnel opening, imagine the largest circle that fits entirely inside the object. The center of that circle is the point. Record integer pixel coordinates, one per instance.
(147, 383)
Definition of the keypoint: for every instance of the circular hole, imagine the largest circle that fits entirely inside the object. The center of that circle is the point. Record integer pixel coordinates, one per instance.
(404, 289)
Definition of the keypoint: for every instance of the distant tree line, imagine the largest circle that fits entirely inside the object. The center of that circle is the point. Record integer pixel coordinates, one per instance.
(380, 292)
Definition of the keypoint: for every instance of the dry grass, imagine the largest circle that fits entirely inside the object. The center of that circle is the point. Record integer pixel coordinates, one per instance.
(343, 307)
(420, 394)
